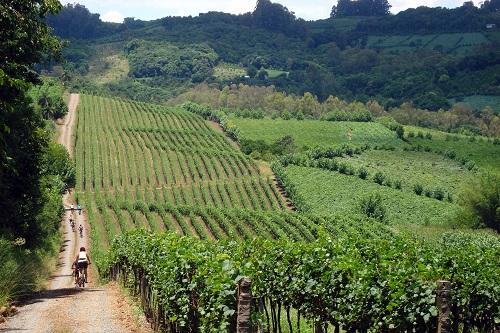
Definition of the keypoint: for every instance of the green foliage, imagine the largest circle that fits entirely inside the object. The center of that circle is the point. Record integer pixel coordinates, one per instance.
(362, 173)
(316, 133)
(418, 189)
(356, 292)
(56, 162)
(148, 59)
(379, 178)
(481, 201)
(373, 206)
(327, 192)
(28, 199)
(48, 99)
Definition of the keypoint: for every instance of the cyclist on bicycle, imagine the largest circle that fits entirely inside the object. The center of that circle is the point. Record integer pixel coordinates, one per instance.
(82, 262)
(80, 228)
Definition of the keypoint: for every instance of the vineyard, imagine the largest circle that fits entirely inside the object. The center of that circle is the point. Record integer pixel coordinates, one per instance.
(484, 152)
(313, 133)
(342, 194)
(142, 165)
(179, 215)
(353, 282)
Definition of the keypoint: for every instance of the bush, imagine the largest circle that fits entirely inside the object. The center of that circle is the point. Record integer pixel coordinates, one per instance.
(470, 165)
(418, 189)
(397, 185)
(372, 206)
(379, 178)
(428, 136)
(481, 201)
(362, 173)
(420, 135)
(411, 134)
(428, 193)
(400, 132)
(286, 115)
(451, 154)
(256, 155)
(439, 194)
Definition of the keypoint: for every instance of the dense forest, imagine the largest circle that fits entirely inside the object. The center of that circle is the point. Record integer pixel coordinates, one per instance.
(338, 56)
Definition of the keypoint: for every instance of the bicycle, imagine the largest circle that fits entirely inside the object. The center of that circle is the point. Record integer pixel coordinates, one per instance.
(81, 232)
(81, 278)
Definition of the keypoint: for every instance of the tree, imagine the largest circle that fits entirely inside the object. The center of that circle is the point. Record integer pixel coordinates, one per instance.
(481, 202)
(24, 41)
(361, 8)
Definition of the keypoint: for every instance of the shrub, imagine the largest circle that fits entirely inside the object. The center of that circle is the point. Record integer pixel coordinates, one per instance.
(400, 132)
(470, 165)
(428, 193)
(411, 134)
(428, 136)
(256, 155)
(362, 173)
(388, 183)
(397, 184)
(343, 168)
(481, 201)
(451, 154)
(418, 189)
(379, 178)
(420, 135)
(286, 115)
(439, 194)
(372, 206)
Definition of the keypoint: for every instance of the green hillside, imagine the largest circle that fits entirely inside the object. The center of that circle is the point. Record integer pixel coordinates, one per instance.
(313, 133)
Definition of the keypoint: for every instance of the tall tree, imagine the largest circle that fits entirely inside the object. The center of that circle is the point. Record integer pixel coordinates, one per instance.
(361, 8)
(24, 41)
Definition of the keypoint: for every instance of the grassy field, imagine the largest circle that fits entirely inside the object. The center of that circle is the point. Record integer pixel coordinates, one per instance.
(274, 73)
(485, 154)
(330, 192)
(430, 170)
(317, 133)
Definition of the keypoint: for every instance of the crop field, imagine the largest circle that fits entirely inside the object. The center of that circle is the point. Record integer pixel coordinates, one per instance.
(430, 170)
(138, 163)
(459, 43)
(317, 133)
(479, 149)
(226, 71)
(341, 194)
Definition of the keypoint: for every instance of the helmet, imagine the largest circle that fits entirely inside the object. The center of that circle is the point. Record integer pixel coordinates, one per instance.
(82, 249)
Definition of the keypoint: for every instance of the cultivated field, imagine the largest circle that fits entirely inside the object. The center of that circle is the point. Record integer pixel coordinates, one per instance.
(313, 133)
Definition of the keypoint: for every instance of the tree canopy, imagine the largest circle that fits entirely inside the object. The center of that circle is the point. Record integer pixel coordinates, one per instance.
(29, 193)
(361, 8)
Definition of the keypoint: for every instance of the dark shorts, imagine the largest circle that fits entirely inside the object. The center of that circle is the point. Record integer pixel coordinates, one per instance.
(82, 264)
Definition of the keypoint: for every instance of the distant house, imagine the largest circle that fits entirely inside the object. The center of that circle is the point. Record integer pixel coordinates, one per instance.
(491, 26)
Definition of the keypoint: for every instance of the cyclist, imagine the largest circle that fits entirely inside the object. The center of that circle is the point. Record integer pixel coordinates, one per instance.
(82, 262)
(72, 207)
(80, 228)
(79, 209)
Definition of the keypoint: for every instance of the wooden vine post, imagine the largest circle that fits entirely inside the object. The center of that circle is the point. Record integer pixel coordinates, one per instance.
(443, 303)
(243, 323)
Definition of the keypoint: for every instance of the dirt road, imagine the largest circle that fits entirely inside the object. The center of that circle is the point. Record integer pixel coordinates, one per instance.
(64, 308)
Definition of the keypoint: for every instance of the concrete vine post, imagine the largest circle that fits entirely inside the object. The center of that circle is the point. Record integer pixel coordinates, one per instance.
(243, 320)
